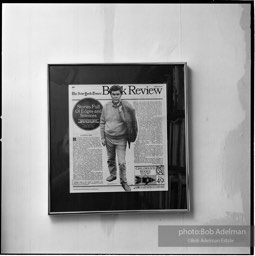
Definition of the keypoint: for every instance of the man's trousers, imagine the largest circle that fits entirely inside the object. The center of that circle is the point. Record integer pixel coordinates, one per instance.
(117, 147)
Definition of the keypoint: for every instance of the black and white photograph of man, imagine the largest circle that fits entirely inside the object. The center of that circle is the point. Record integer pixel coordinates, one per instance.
(118, 127)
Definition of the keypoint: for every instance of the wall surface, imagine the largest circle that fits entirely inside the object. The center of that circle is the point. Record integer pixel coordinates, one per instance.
(214, 39)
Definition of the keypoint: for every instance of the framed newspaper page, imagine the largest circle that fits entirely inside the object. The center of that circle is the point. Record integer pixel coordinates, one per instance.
(118, 138)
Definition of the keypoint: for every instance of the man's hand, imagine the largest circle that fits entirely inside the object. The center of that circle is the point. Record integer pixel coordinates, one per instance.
(103, 142)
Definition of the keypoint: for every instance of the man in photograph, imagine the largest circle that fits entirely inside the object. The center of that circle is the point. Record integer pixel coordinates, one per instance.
(118, 127)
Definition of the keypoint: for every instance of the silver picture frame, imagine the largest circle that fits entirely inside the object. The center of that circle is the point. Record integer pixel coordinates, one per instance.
(176, 194)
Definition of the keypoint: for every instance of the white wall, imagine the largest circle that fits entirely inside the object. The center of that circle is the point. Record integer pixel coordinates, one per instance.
(214, 39)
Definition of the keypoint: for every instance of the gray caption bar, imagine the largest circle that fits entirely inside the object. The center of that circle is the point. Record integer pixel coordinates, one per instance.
(206, 236)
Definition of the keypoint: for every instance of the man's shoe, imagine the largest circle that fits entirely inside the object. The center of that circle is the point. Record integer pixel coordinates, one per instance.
(111, 178)
(126, 187)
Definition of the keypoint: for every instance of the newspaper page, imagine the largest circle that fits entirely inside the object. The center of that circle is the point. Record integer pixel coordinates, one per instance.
(142, 164)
